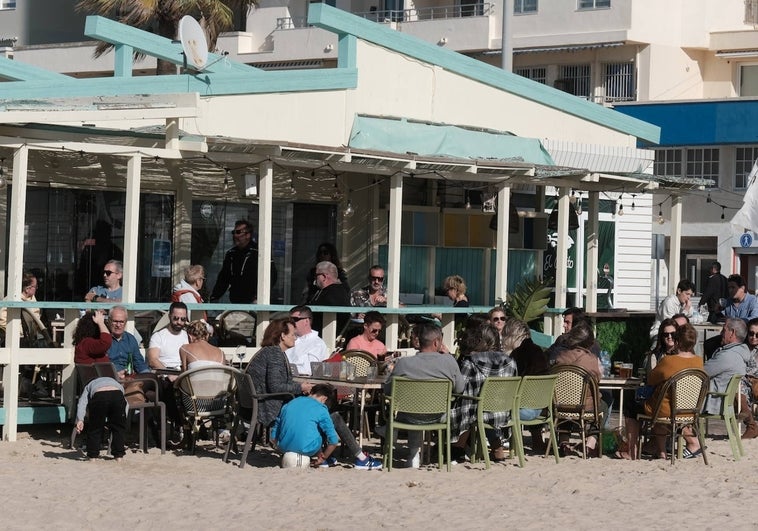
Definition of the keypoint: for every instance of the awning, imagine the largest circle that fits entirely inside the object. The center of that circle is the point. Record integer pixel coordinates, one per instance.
(401, 135)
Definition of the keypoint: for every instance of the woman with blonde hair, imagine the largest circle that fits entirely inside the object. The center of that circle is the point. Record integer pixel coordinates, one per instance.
(198, 352)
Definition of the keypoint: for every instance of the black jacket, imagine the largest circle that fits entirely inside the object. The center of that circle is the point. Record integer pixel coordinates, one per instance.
(239, 274)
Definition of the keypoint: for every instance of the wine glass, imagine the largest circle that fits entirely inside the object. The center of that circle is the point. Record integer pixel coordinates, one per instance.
(241, 352)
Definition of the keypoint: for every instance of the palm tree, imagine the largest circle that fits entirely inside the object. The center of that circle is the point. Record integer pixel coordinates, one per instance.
(162, 17)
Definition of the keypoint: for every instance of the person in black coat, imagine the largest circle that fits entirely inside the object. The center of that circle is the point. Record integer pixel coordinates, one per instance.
(715, 289)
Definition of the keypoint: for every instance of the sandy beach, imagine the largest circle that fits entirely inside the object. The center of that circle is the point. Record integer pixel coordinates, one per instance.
(48, 486)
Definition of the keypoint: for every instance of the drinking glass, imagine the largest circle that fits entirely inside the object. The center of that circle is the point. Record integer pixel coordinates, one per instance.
(241, 352)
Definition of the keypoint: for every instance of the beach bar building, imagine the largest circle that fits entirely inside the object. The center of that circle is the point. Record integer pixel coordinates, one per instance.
(402, 134)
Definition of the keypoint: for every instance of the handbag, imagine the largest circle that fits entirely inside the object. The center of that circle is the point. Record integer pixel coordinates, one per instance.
(643, 393)
(753, 381)
(134, 392)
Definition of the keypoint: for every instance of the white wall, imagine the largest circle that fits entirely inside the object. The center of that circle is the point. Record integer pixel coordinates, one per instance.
(633, 245)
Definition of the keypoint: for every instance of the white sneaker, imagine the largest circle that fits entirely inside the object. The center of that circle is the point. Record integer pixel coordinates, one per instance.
(415, 461)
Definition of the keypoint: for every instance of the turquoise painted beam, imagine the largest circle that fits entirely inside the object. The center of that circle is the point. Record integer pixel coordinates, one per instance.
(347, 51)
(104, 29)
(205, 85)
(341, 22)
(123, 60)
(16, 71)
(53, 414)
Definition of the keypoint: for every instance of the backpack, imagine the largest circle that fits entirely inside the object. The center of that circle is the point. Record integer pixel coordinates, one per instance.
(175, 296)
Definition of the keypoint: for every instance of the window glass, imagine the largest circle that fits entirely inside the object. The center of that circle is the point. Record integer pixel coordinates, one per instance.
(703, 163)
(525, 6)
(746, 157)
(749, 80)
(594, 4)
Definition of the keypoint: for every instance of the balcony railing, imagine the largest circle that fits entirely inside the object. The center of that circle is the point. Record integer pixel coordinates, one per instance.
(403, 15)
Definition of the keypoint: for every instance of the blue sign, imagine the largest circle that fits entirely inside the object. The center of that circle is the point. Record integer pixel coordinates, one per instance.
(746, 240)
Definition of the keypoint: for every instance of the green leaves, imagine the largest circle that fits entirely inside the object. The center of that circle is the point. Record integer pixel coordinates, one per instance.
(529, 300)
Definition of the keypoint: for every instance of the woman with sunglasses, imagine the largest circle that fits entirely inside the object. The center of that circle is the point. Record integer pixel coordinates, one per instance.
(682, 357)
(747, 397)
(666, 344)
(373, 323)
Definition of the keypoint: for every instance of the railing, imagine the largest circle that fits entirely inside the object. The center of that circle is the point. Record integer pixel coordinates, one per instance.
(403, 15)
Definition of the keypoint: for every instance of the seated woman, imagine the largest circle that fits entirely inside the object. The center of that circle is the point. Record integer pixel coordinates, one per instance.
(270, 369)
(373, 323)
(92, 339)
(486, 360)
(199, 353)
(665, 345)
(682, 358)
(575, 351)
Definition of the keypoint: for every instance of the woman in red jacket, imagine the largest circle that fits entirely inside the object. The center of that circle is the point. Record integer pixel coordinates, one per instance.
(92, 339)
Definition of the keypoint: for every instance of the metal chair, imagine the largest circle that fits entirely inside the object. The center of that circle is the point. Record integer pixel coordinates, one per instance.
(419, 397)
(679, 404)
(247, 399)
(498, 393)
(576, 402)
(536, 392)
(207, 395)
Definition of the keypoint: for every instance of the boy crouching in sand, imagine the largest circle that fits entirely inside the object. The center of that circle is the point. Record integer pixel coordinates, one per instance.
(107, 406)
(304, 428)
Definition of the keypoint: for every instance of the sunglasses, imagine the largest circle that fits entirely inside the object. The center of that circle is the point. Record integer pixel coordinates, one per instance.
(752, 334)
(109, 273)
(374, 330)
(669, 334)
(180, 319)
(296, 319)
(496, 319)
(377, 279)
(240, 231)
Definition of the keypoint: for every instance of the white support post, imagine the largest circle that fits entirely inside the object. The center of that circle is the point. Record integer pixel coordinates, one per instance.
(393, 257)
(561, 254)
(503, 231)
(265, 216)
(675, 245)
(131, 223)
(593, 250)
(15, 274)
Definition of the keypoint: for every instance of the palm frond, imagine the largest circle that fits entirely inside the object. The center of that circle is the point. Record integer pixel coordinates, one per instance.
(529, 299)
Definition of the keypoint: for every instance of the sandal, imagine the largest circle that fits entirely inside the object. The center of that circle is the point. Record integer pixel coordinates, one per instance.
(621, 455)
(688, 454)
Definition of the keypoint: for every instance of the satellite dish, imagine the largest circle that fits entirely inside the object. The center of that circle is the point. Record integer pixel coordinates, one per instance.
(194, 43)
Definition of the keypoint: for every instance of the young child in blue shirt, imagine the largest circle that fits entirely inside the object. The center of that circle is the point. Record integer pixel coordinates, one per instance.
(305, 426)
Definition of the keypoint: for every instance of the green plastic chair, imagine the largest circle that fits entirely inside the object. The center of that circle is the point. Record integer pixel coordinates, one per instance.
(536, 392)
(728, 415)
(419, 397)
(498, 393)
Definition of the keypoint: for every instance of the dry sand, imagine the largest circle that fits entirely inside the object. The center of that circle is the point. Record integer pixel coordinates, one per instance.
(47, 486)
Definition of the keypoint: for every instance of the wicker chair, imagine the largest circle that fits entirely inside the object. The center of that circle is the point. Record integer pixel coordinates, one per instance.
(419, 397)
(577, 404)
(728, 415)
(536, 392)
(206, 394)
(686, 392)
(362, 361)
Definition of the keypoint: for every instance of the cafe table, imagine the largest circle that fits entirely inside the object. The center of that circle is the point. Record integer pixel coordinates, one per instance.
(360, 384)
(617, 383)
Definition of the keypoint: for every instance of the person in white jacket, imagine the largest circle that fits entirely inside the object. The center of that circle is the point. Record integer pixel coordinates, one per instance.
(674, 304)
(188, 290)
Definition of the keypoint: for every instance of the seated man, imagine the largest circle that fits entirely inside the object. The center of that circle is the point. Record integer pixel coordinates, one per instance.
(165, 344)
(740, 304)
(111, 289)
(28, 293)
(429, 363)
(373, 323)
(372, 294)
(124, 352)
(304, 426)
(309, 347)
(732, 358)
(331, 292)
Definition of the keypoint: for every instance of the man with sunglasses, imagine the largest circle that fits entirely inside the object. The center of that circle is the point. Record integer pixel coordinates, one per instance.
(239, 272)
(111, 290)
(309, 347)
(165, 344)
(373, 294)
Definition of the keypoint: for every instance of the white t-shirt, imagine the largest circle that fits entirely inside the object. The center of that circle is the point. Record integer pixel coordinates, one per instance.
(307, 348)
(169, 345)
